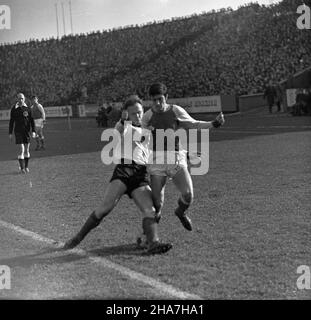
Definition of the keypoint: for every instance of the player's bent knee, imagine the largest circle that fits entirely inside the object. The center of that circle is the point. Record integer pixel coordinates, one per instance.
(158, 204)
(188, 197)
(104, 210)
(148, 213)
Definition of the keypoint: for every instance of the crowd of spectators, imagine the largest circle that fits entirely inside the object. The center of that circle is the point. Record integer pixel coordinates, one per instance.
(224, 52)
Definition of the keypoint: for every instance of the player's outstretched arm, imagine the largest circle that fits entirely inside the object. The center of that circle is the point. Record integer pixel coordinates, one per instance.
(187, 122)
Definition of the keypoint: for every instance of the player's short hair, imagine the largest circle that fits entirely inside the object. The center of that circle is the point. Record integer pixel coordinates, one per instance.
(131, 101)
(34, 97)
(157, 88)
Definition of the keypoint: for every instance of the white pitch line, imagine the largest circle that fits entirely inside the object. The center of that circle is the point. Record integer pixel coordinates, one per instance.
(284, 127)
(245, 131)
(158, 285)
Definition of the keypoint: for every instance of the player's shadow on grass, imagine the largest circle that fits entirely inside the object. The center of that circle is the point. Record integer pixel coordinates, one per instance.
(40, 258)
(125, 250)
(59, 256)
(12, 173)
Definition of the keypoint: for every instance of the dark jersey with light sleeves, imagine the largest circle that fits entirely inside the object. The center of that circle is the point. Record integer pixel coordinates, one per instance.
(21, 120)
(174, 117)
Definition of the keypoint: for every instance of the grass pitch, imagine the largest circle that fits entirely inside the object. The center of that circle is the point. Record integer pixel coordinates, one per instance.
(251, 217)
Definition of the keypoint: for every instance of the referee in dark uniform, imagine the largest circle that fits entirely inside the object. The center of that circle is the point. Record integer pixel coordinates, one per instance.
(22, 122)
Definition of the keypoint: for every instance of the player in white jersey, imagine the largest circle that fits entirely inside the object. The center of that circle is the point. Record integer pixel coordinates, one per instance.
(38, 115)
(129, 177)
(163, 116)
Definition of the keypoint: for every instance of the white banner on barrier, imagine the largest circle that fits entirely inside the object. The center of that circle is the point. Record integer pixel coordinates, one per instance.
(205, 104)
(5, 114)
(81, 109)
(61, 111)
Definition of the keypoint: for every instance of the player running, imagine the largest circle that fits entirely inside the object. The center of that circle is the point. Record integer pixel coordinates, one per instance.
(38, 115)
(166, 116)
(129, 177)
(22, 121)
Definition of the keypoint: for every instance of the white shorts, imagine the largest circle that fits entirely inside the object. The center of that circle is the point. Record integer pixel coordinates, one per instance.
(39, 123)
(178, 160)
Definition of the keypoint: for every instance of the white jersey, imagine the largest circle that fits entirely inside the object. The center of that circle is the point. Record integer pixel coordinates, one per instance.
(133, 143)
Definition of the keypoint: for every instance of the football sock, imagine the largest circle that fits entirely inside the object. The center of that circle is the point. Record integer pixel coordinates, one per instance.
(91, 223)
(158, 216)
(150, 229)
(26, 161)
(180, 213)
(158, 213)
(182, 206)
(21, 163)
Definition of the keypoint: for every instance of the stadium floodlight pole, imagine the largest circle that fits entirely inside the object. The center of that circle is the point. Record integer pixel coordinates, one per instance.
(57, 20)
(63, 18)
(70, 16)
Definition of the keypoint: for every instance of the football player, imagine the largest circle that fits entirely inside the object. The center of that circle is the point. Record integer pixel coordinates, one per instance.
(129, 177)
(22, 121)
(167, 116)
(38, 115)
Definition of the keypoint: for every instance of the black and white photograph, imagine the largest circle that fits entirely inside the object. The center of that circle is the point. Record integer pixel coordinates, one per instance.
(155, 151)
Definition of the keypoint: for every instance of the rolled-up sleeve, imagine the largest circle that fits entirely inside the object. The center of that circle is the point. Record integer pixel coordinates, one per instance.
(187, 122)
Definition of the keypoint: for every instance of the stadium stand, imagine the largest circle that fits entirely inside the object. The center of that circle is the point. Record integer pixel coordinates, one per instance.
(218, 52)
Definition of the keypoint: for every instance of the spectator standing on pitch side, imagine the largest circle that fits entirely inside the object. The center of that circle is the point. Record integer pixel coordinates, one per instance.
(270, 95)
(279, 96)
(38, 115)
(103, 117)
(22, 121)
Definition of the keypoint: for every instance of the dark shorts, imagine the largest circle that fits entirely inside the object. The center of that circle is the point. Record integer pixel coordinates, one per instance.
(22, 137)
(132, 175)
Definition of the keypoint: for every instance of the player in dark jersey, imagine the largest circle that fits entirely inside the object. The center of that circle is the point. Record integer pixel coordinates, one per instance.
(163, 116)
(22, 122)
(129, 177)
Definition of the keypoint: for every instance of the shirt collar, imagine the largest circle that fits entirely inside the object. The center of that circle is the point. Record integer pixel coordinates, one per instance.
(24, 105)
